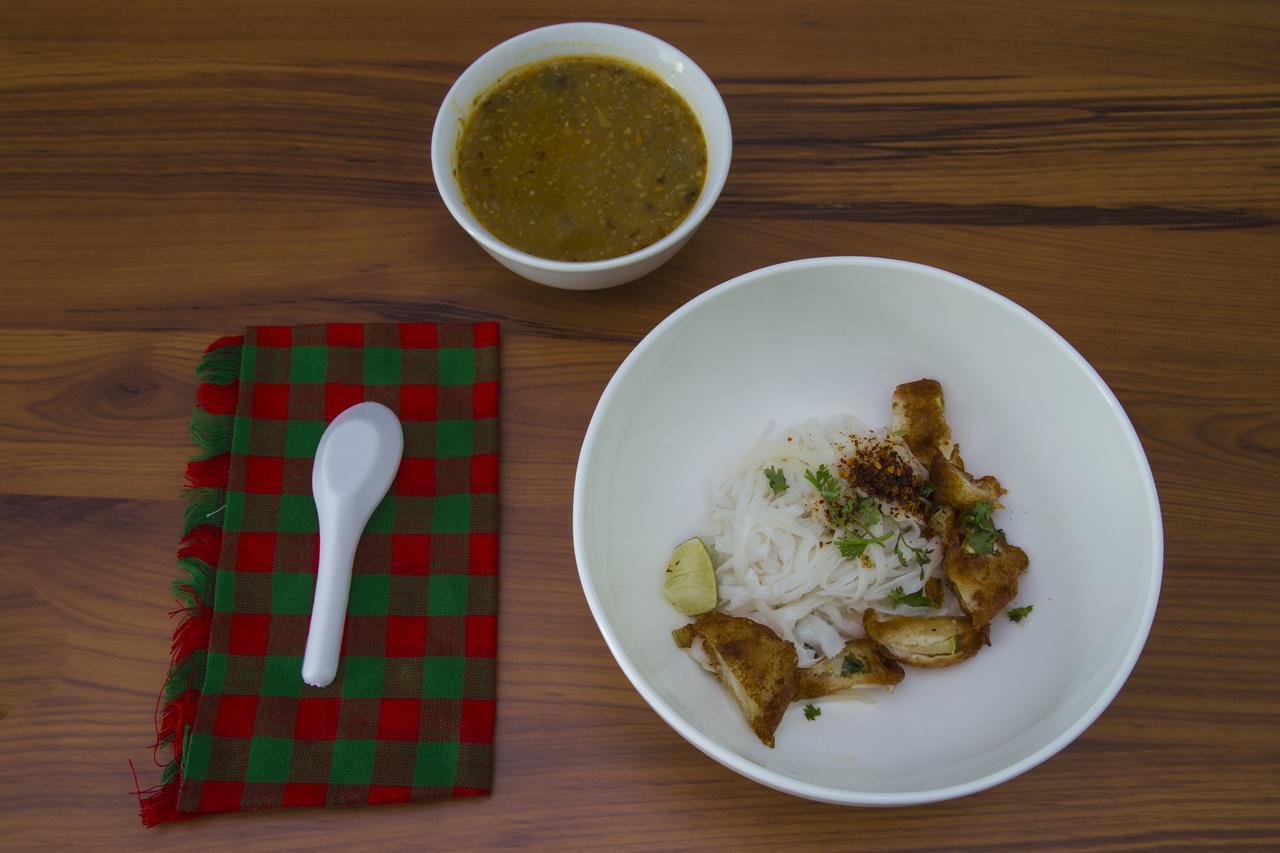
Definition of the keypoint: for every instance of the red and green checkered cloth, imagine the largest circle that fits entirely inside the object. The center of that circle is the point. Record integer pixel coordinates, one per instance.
(410, 715)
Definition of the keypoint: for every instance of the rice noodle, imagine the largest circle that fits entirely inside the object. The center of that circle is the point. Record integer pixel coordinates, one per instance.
(779, 565)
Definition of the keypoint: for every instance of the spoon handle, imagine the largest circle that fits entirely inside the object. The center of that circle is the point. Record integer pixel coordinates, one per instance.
(329, 610)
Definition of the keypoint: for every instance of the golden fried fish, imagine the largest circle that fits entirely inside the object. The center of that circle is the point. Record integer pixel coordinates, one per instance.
(859, 662)
(919, 417)
(755, 665)
(983, 583)
(925, 641)
(955, 487)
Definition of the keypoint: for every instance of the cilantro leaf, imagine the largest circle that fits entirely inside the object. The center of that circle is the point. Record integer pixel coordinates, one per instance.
(777, 480)
(839, 509)
(982, 542)
(812, 712)
(852, 665)
(927, 489)
(852, 545)
(922, 555)
(979, 515)
(844, 514)
(825, 482)
(866, 513)
(1017, 614)
(982, 535)
(914, 599)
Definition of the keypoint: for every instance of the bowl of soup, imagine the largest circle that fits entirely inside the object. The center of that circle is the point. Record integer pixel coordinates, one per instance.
(581, 155)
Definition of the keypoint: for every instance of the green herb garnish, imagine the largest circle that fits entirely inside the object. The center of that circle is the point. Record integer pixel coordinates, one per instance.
(979, 515)
(922, 555)
(982, 535)
(981, 542)
(852, 545)
(829, 487)
(777, 480)
(866, 512)
(927, 489)
(897, 550)
(812, 712)
(853, 665)
(915, 599)
(825, 482)
(842, 511)
(1017, 614)
(845, 514)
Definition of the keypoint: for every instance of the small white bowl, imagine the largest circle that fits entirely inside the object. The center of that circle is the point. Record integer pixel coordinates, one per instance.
(830, 335)
(583, 39)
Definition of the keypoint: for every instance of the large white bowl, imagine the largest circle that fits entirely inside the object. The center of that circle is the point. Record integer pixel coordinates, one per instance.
(828, 335)
(583, 39)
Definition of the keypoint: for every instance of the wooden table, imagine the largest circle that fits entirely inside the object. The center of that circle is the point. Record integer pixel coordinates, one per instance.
(170, 172)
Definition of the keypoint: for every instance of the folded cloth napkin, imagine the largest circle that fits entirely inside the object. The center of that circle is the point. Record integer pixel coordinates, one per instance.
(410, 714)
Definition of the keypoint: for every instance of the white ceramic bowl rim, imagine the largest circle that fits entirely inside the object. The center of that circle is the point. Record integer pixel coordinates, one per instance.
(717, 173)
(820, 792)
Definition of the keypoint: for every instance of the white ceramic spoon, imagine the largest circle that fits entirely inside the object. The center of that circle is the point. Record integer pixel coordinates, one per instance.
(356, 461)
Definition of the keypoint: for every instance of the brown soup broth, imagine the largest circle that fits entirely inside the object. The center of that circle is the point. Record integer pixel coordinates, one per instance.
(581, 158)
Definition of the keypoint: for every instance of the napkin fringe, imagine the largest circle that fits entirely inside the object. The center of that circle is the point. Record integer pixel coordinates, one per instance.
(209, 432)
(198, 553)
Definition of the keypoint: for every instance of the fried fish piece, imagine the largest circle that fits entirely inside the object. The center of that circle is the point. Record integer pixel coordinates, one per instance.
(925, 641)
(933, 590)
(983, 583)
(755, 665)
(919, 417)
(859, 662)
(940, 520)
(954, 486)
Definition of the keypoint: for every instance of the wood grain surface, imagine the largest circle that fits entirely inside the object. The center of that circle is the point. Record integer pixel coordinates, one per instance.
(173, 171)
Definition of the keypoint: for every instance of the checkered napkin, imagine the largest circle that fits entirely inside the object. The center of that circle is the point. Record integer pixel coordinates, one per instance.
(410, 714)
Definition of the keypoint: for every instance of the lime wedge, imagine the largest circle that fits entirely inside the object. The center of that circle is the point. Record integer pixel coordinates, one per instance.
(689, 582)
